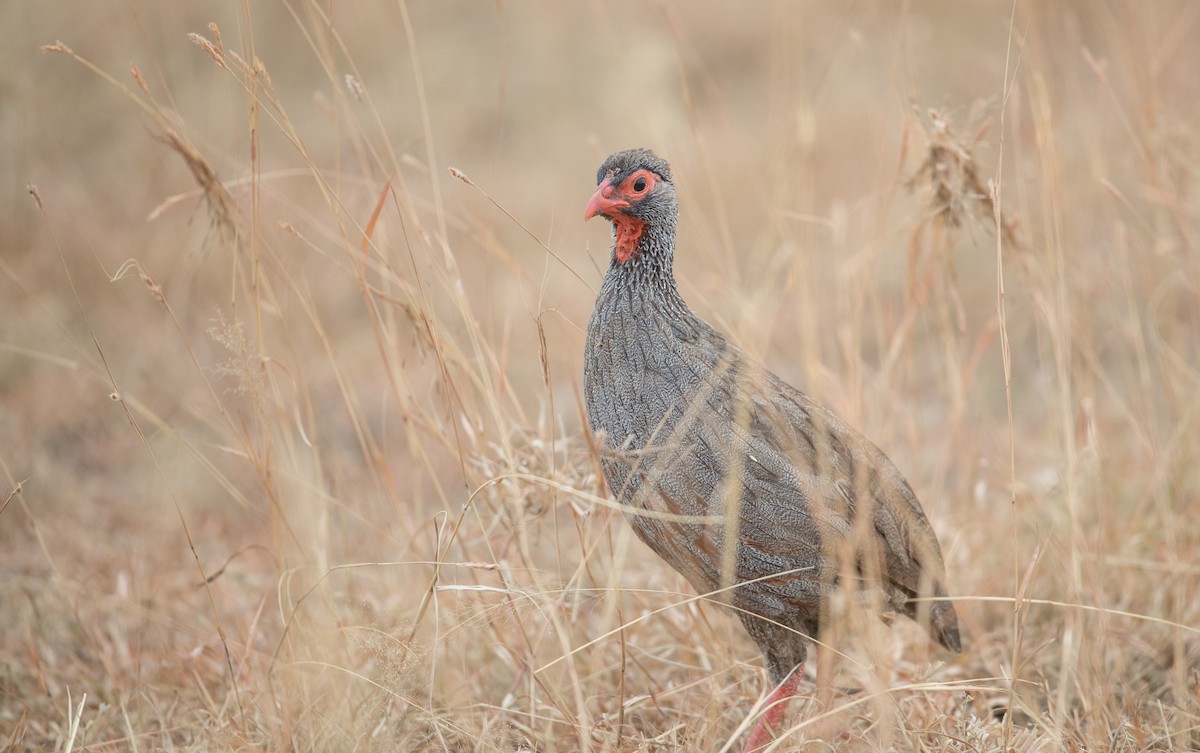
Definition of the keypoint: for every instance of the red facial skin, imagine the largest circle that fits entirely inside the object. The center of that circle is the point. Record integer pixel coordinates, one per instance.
(609, 201)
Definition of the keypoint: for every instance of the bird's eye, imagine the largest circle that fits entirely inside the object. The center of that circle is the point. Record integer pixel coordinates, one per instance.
(639, 185)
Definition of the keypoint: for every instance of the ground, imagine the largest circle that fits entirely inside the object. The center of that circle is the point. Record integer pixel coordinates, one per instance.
(292, 300)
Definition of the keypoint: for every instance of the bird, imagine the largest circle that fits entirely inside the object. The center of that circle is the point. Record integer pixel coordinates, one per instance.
(760, 496)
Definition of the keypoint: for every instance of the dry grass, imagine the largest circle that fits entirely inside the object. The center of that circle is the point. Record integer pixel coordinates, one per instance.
(308, 473)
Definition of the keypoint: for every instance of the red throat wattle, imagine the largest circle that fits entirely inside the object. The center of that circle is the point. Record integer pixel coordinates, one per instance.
(629, 232)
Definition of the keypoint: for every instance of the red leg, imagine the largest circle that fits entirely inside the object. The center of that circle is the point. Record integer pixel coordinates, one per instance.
(777, 703)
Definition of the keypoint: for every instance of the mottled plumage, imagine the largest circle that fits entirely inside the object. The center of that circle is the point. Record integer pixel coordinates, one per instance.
(691, 426)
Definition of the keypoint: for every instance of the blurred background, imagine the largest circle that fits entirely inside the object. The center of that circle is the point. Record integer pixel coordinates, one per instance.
(290, 433)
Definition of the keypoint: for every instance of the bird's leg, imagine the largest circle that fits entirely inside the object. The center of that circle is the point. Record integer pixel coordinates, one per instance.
(777, 703)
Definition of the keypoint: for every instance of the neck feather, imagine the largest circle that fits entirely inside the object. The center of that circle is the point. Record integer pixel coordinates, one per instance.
(644, 249)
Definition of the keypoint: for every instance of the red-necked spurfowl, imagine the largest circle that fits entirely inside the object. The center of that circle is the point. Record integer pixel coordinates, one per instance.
(794, 500)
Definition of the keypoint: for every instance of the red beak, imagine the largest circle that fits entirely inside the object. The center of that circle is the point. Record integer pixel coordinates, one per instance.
(602, 201)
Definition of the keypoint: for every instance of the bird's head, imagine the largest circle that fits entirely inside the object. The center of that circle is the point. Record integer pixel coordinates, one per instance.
(634, 191)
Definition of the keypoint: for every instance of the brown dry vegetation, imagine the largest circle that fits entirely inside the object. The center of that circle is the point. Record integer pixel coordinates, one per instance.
(290, 447)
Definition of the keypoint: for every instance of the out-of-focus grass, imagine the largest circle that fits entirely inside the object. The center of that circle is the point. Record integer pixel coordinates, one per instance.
(309, 475)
